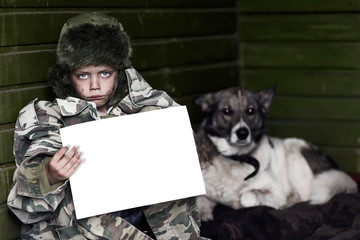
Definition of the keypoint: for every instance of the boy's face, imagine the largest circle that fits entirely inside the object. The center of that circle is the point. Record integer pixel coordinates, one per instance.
(95, 84)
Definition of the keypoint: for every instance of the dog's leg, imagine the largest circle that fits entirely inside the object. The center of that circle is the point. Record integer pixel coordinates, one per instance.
(267, 197)
(263, 191)
(206, 207)
(292, 198)
(329, 183)
(250, 198)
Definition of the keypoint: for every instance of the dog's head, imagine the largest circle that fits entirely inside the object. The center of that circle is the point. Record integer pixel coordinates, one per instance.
(235, 118)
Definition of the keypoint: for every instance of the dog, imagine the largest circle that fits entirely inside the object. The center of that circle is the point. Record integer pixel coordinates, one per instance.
(244, 167)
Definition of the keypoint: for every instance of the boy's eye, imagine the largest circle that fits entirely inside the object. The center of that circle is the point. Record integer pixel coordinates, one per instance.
(105, 74)
(82, 76)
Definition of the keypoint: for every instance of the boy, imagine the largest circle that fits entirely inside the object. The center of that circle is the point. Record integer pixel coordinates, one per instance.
(92, 79)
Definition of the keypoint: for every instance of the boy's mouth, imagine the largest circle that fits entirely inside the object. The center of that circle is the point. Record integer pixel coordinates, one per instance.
(95, 97)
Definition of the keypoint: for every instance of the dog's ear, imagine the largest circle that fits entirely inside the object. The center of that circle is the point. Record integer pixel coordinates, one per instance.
(266, 97)
(206, 101)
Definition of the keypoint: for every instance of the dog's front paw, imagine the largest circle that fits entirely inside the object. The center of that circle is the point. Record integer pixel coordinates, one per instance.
(249, 199)
(206, 216)
(206, 207)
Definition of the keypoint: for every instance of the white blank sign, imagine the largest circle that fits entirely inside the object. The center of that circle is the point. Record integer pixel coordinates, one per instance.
(134, 160)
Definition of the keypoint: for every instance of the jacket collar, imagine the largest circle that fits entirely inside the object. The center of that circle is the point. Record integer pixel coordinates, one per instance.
(72, 106)
(141, 94)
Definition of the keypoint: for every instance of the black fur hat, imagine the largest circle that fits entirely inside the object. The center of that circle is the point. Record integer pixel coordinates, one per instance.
(90, 39)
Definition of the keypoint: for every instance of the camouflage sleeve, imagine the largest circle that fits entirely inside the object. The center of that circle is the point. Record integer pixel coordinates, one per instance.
(37, 131)
(36, 136)
(175, 220)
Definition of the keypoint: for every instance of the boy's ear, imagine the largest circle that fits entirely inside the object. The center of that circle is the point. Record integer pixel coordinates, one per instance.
(206, 102)
(266, 98)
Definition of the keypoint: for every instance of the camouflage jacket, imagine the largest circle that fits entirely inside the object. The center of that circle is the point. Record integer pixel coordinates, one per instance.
(48, 211)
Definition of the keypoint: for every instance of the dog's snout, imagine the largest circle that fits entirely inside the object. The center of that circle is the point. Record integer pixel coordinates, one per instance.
(242, 133)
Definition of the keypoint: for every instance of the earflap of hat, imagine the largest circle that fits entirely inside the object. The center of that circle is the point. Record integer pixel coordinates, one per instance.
(59, 80)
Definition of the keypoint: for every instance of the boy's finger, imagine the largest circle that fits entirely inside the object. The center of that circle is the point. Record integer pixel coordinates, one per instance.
(71, 153)
(73, 160)
(59, 154)
(75, 165)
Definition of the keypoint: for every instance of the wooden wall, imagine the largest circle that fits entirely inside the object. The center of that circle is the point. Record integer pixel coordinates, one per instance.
(308, 48)
(311, 50)
(184, 47)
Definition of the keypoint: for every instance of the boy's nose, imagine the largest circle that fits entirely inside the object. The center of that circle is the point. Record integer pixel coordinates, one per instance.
(94, 83)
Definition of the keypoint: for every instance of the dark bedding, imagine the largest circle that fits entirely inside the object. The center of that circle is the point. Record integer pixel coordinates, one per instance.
(338, 219)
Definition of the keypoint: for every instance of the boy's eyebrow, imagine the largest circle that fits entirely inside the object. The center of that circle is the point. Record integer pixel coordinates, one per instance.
(99, 71)
(108, 69)
(79, 72)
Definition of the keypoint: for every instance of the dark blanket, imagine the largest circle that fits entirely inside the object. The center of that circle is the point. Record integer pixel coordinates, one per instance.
(335, 220)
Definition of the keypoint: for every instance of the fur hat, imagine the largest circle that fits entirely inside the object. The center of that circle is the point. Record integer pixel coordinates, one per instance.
(90, 39)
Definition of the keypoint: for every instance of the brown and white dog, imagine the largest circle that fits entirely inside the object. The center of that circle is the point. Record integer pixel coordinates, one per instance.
(244, 167)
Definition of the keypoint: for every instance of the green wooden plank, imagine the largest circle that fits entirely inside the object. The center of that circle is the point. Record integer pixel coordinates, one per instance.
(176, 82)
(182, 81)
(297, 110)
(329, 133)
(116, 3)
(6, 175)
(20, 65)
(12, 101)
(340, 140)
(303, 82)
(284, 54)
(169, 53)
(299, 27)
(299, 6)
(348, 159)
(6, 145)
(307, 108)
(177, 23)
(4, 127)
(10, 225)
(195, 113)
(22, 27)
(147, 55)
(29, 64)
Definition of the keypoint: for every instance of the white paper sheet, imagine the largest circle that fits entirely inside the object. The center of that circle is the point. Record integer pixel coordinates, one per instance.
(134, 160)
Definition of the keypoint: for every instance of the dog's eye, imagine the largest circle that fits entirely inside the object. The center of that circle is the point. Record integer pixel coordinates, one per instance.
(227, 111)
(250, 111)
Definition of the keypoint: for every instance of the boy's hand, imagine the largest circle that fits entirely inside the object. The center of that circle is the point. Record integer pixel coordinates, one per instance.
(62, 165)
